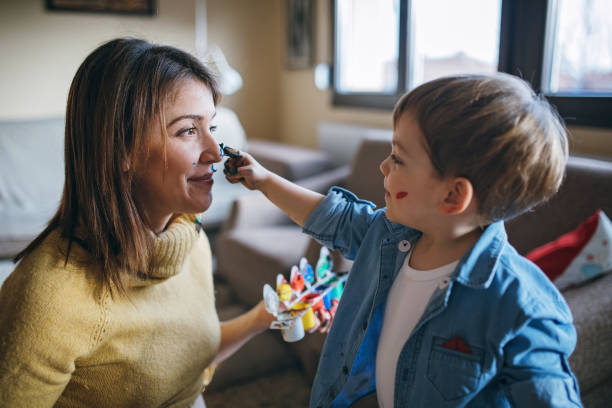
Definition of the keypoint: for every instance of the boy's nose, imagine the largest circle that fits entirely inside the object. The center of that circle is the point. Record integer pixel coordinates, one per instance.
(383, 167)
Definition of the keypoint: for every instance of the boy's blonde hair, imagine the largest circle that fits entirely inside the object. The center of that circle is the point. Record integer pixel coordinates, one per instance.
(494, 131)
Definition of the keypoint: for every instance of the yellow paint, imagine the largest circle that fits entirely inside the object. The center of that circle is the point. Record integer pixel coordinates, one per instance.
(284, 292)
(308, 318)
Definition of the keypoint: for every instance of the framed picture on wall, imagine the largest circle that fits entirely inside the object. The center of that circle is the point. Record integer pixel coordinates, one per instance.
(142, 7)
(300, 18)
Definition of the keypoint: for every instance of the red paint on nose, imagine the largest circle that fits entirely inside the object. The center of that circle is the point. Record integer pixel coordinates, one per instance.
(401, 195)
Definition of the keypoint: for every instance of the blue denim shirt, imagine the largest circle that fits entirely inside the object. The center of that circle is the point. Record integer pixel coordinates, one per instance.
(514, 321)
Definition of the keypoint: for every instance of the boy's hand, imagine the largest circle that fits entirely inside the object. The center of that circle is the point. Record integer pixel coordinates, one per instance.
(246, 171)
(295, 201)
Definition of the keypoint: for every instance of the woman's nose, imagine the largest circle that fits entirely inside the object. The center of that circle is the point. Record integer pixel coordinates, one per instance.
(211, 152)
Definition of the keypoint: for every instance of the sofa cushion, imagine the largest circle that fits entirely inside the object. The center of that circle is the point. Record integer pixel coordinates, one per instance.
(579, 255)
(31, 179)
(366, 181)
(591, 307)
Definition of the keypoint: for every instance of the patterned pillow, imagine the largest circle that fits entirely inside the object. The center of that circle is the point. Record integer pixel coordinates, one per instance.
(579, 255)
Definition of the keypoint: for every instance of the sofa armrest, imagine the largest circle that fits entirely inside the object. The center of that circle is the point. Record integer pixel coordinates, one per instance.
(289, 161)
(253, 210)
(322, 182)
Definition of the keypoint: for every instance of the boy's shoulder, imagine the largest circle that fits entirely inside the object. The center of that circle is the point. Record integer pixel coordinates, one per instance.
(509, 280)
(519, 279)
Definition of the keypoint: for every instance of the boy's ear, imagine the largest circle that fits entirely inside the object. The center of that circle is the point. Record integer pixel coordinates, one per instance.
(459, 196)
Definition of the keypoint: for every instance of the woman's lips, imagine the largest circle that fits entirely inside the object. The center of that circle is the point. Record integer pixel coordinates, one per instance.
(205, 178)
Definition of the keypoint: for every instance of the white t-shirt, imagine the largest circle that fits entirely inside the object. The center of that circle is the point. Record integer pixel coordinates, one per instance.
(406, 302)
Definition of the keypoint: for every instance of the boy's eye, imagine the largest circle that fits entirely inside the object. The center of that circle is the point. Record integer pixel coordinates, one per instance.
(213, 129)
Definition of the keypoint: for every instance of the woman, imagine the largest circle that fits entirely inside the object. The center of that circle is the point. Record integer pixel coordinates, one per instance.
(112, 305)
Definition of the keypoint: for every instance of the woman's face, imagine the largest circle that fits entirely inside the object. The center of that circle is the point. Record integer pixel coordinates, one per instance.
(184, 185)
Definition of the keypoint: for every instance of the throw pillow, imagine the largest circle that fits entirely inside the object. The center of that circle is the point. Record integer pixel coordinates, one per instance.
(579, 255)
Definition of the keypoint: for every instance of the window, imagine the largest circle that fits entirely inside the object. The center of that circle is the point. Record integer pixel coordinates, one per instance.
(579, 46)
(382, 48)
(367, 58)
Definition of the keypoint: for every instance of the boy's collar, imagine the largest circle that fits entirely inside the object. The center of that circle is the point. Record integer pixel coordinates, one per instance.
(476, 267)
(396, 228)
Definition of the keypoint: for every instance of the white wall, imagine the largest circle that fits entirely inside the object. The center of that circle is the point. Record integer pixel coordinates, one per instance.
(40, 50)
(249, 33)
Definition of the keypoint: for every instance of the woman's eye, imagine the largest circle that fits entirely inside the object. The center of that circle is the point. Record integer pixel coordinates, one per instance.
(192, 131)
(213, 129)
(395, 159)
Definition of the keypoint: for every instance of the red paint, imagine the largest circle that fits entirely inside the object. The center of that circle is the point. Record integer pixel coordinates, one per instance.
(457, 344)
(401, 195)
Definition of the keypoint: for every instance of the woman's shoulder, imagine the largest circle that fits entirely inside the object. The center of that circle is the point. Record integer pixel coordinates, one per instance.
(48, 282)
(49, 307)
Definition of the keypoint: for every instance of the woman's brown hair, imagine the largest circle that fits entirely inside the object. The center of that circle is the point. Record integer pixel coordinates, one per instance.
(116, 94)
(496, 132)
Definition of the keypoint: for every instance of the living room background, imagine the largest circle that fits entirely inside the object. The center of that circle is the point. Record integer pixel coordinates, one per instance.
(42, 49)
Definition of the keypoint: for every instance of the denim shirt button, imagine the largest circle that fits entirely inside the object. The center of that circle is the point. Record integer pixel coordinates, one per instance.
(444, 283)
(404, 245)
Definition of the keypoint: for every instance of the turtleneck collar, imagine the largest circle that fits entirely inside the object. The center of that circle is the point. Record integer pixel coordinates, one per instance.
(172, 247)
(170, 250)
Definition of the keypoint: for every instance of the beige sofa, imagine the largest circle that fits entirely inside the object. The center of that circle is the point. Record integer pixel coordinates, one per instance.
(257, 242)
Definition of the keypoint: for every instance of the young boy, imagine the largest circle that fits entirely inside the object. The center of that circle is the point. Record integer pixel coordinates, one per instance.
(439, 310)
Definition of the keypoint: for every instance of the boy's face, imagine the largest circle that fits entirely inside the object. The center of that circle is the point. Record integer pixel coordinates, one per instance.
(413, 189)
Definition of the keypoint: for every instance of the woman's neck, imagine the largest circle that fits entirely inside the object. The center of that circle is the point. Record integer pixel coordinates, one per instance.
(160, 223)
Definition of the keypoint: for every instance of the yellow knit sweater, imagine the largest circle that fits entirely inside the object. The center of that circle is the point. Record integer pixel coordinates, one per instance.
(65, 342)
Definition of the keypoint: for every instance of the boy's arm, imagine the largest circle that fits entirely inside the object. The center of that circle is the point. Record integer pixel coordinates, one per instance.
(295, 201)
(536, 372)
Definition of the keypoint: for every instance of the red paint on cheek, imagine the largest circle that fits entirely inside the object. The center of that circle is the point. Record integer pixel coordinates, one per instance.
(401, 195)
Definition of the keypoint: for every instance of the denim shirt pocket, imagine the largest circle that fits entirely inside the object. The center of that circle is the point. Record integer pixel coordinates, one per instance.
(453, 373)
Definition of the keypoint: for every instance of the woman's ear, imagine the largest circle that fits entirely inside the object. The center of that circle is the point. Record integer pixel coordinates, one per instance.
(459, 196)
(125, 165)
